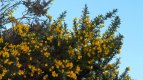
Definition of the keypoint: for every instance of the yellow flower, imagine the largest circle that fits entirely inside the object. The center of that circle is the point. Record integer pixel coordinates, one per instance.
(50, 38)
(15, 53)
(20, 72)
(79, 57)
(1, 40)
(69, 65)
(5, 54)
(58, 63)
(40, 44)
(33, 41)
(46, 65)
(36, 46)
(77, 70)
(109, 66)
(6, 61)
(71, 51)
(10, 62)
(46, 54)
(45, 77)
(4, 71)
(30, 58)
(51, 68)
(71, 74)
(17, 59)
(32, 68)
(59, 43)
(18, 65)
(25, 48)
(39, 71)
(21, 29)
(54, 74)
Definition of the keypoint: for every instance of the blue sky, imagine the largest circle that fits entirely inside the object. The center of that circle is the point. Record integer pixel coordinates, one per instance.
(131, 14)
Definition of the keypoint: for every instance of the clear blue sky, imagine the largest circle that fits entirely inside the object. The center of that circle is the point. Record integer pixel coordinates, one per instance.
(131, 14)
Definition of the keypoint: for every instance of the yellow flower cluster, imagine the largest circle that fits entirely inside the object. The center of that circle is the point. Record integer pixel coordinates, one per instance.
(77, 70)
(1, 40)
(20, 72)
(54, 74)
(24, 48)
(72, 75)
(57, 52)
(4, 71)
(69, 65)
(45, 77)
(5, 54)
(58, 63)
(21, 29)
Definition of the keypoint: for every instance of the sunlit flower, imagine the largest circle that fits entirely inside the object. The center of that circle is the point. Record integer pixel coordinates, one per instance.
(21, 29)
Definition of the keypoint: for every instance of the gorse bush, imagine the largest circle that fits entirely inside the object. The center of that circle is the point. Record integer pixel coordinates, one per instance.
(46, 50)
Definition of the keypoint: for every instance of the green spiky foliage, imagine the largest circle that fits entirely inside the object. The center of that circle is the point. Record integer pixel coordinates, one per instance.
(45, 49)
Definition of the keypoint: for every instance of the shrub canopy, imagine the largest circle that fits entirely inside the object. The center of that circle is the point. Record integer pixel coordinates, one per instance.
(42, 48)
